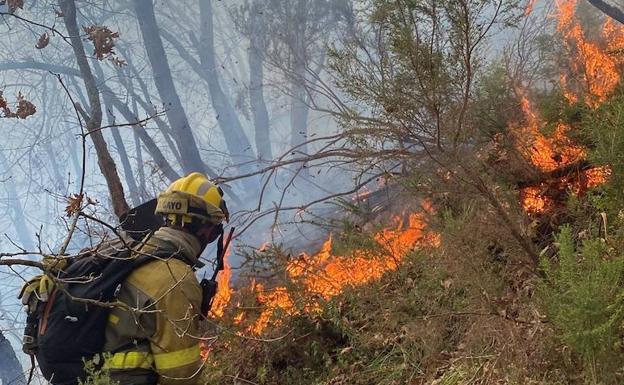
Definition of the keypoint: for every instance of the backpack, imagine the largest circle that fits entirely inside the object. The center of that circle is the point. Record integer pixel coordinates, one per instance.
(69, 327)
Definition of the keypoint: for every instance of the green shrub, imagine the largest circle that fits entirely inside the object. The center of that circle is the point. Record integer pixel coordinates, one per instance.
(583, 297)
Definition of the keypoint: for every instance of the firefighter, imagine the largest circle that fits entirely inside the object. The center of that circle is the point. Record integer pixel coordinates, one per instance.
(157, 342)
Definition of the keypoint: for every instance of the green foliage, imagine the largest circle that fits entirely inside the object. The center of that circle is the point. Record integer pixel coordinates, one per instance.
(584, 300)
(604, 130)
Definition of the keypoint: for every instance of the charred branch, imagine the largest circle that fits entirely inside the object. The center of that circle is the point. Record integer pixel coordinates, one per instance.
(557, 174)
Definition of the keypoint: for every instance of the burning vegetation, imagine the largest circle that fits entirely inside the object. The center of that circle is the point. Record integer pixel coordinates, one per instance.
(321, 276)
(423, 296)
(589, 75)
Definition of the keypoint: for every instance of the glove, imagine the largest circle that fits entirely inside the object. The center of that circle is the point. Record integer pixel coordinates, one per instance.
(38, 288)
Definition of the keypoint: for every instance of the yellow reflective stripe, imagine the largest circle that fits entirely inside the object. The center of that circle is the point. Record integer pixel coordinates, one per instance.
(113, 319)
(177, 359)
(129, 360)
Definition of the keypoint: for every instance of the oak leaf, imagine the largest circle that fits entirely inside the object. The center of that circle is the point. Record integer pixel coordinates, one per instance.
(74, 204)
(25, 108)
(43, 41)
(103, 40)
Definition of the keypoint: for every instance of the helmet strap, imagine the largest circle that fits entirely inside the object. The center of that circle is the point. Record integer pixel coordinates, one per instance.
(221, 249)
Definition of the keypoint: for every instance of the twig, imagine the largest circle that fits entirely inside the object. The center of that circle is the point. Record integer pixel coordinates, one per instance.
(53, 29)
(72, 227)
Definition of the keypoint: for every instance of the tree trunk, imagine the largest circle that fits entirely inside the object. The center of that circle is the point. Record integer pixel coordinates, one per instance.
(235, 138)
(59, 182)
(11, 371)
(139, 154)
(47, 146)
(151, 146)
(298, 108)
(131, 74)
(123, 155)
(121, 148)
(191, 160)
(256, 78)
(105, 161)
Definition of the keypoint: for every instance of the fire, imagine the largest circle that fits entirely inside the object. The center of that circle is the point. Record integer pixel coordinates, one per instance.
(224, 292)
(597, 176)
(592, 76)
(325, 275)
(273, 300)
(596, 68)
(534, 201)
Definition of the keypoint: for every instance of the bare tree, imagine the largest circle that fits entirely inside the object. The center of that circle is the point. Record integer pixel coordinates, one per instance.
(255, 57)
(94, 118)
(191, 161)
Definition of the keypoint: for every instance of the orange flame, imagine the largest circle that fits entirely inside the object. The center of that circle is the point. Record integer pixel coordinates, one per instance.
(593, 75)
(224, 292)
(325, 275)
(596, 67)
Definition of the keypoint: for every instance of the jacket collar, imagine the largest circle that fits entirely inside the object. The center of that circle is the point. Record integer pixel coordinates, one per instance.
(186, 244)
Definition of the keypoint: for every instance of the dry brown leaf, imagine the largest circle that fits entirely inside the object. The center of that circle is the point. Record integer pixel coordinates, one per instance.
(74, 203)
(103, 40)
(43, 41)
(25, 108)
(3, 103)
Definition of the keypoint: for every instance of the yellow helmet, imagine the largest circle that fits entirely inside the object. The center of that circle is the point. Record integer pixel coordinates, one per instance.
(193, 196)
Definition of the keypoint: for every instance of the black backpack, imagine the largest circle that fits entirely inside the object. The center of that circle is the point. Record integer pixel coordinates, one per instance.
(72, 323)
(69, 328)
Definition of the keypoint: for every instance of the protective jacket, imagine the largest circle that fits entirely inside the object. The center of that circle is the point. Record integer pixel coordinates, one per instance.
(157, 341)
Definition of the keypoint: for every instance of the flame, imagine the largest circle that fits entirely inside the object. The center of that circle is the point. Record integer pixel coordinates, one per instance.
(546, 153)
(533, 201)
(325, 275)
(277, 299)
(597, 176)
(596, 67)
(224, 292)
(593, 75)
